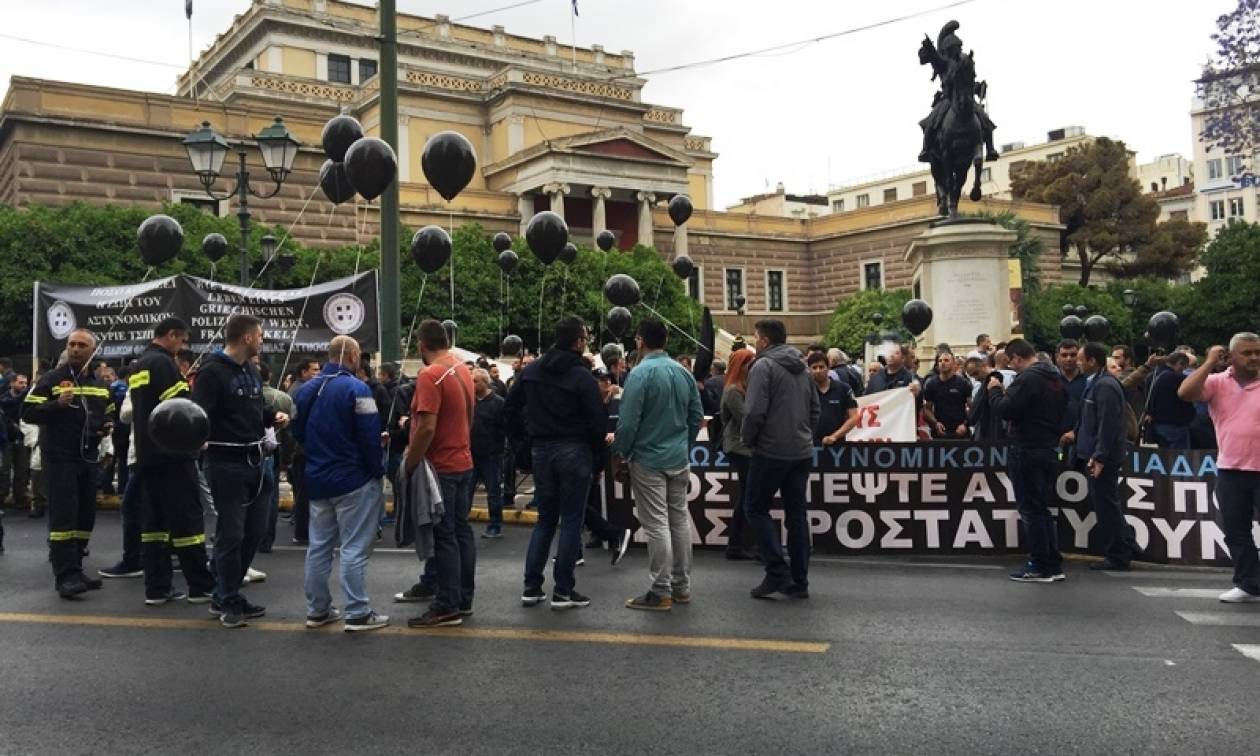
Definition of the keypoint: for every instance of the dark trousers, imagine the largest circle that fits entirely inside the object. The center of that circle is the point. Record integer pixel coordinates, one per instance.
(17, 475)
(240, 497)
(301, 500)
(488, 471)
(509, 476)
(454, 548)
(71, 514)
(132, 520)
(173, 522)
(789, 479)
(595, 521)
(1033, 472)
(272, 463)
(122, 443)
(562, 474)
(735, 537)
(1238, 495)
(1115, 536)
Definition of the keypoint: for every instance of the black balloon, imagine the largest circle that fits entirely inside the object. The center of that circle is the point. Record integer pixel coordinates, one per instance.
(916, 316)
(568, 253)
(682, 266)
(512, 346)
(618, 321)
(339, 133)
(606, 240)
(431, 248)
(334, 182)
(452, 329)
(508, 261)
(1163, 327)
(1071, 327)
(179, 426)
(502, 242)
(622, 290)
(1068, 310)
(680, 209)
(449, 163)
(371, 166)
(1097, 328)
(160, 238)
(214, 246)
(740, 301)
(1082, 312)
(546, 235)
(877, 318)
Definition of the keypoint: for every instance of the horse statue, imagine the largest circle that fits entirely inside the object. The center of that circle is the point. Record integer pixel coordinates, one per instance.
(957, 135)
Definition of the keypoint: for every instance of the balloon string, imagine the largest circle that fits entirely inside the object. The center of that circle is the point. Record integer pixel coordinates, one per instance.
(212, 271)
(110, 331)
(450, 229)
(359, 231)
(564, 288)
(301, 314)
(542, 290)
(667, 322)
(500, 306)
(603, 269)
(415, 316)
(659, 284)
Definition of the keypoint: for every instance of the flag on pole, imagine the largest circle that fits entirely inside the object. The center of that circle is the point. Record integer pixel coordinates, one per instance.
(188, 9)
(575, 12)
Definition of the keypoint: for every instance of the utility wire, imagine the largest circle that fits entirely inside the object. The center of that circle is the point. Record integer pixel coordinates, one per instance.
(93, 52)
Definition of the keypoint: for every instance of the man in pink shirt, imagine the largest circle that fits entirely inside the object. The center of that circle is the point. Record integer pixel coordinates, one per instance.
(1233, 397)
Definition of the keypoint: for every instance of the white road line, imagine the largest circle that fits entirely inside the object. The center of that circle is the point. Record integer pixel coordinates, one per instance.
(1249, 650)
(1221, 576)
(1194, 593)
(1222, 619)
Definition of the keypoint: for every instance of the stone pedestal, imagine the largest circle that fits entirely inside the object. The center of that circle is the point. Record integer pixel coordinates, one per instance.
(962, 270)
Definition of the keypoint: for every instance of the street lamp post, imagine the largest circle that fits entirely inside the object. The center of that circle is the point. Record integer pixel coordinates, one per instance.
(207, 151)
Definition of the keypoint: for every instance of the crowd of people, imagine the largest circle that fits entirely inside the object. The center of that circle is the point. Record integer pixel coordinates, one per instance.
(337, 430)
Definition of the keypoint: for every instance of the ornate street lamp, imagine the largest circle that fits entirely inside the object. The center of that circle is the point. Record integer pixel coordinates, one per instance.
(1130, 298)
(207, 151)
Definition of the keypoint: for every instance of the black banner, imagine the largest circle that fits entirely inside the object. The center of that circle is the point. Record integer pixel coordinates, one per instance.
(123, 317)
(952, 499)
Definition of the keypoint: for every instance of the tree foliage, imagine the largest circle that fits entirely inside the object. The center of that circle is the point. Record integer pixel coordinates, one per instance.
(1101, 206)
(1173, 250)
(1230, 86)
(851, 323)
(1227, 300)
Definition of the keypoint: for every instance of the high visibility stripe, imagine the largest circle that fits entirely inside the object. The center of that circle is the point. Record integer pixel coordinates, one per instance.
(180, 543)
(138, 379)
(175, 389)
(155, 537)
(81, 391)
(109, 408)
(82, 535)
(32, 399)
(60, 535)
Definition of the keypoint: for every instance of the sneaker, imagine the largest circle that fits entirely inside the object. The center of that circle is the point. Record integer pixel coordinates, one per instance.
(466, 611)
(369, 621)
(1058, 577)
(574, 600)
(1238, 596)
(232, 617)
(195, 597)
(215, 609)
(327, 618)
(769, 586)
(581, 560)
(71, 587)
(796, 591)
(415, 593)
(436, 618)
(169, 596)
(252, 611)
(533, 596)
(254, 576)
(1110, 566)
(493, 531)
(120, 570)
(651, 602)
(93, 584)
(1030, 574)
(680, 597)
(623, 544)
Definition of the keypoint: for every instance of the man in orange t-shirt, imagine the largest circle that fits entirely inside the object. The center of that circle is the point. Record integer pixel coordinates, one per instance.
(441, 421)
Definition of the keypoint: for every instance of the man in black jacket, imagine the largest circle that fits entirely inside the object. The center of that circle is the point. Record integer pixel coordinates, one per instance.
(555, 402)
(229, 388)
(1100, 446)
(1034, 405)
(72, 409)
(168, 482)
(18, 455)
(488, 441)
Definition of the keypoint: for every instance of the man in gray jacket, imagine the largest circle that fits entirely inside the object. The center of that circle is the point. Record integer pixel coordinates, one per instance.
(781, 411)
(1100, 447)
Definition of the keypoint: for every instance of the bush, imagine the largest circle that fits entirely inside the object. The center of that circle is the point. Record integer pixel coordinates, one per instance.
(851, 322)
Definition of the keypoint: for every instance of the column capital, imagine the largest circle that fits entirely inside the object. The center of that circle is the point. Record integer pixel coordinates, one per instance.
(601, 192)
(556, 187)
(648, 197)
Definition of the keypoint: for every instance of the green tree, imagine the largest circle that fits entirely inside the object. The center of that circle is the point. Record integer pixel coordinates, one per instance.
(1227, 300)
(851, 322)
(1043, 313)
(1172, 251)
(1101, 206)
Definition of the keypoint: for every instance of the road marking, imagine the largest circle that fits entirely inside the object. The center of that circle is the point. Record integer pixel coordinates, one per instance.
(1194, 593)
(1217, 576)
(1249, 650)
(479, 633)
(1221, 619)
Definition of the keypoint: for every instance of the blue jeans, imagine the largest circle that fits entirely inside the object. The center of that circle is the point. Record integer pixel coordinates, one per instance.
(1115, 535)
(789, 478)
(131, 518)
(454, 559)
(240, 496)
(562, 475)
(1033, 472)
(488, 471)
(350, 519)
(1172, 436)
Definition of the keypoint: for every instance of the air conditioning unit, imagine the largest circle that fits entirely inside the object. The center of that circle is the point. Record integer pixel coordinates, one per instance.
(1012, 146)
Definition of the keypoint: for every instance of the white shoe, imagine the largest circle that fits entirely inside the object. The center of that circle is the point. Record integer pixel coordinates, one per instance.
(254, 576)
(1239, 596)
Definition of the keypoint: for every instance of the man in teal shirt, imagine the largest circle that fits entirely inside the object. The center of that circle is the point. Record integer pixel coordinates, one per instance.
(660, 417)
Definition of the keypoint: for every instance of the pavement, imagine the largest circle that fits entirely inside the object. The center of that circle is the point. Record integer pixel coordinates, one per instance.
(886, 656)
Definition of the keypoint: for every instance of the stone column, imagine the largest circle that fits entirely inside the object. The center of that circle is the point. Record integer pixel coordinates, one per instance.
(525, 206)
(680, 240)
(599, 218)
(646, 200)
(556, 191)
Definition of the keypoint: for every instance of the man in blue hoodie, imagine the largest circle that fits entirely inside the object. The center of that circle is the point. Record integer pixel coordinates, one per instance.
(338, 423)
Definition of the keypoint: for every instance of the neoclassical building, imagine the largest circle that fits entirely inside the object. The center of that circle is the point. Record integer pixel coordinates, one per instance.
(554, 128)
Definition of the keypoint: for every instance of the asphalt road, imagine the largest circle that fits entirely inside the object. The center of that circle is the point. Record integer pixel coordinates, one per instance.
(887, 656)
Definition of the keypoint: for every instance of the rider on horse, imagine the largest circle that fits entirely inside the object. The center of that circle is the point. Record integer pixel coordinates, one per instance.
(946, 59)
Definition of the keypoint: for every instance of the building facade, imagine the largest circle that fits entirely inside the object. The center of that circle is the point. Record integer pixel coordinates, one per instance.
(553, 127)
